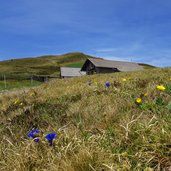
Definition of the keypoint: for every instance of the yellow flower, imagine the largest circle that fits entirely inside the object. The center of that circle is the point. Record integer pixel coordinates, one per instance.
(32, 94)
(160, 87)
(145, 95)
(170, 79)
(17, 101)
(95, 83)
(21, 104)
(124, 154)
(124, 79)
(138, 100)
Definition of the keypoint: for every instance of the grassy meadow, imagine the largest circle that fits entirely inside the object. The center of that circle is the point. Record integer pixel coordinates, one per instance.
(17, 84)
(123, 127)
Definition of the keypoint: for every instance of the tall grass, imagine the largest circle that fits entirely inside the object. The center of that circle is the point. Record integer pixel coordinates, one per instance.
(98, 128)
(17, 84)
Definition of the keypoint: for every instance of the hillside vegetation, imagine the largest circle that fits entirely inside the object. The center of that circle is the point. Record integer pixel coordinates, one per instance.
(43, 65)
(24, 68)
(121, 126)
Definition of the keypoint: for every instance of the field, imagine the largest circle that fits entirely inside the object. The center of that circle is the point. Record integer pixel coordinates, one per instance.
(109, 122)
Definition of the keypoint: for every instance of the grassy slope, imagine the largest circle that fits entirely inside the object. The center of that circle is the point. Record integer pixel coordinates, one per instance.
(44, 65)
(147, 66)
(17, 84)
(75, 64)
(98, 128)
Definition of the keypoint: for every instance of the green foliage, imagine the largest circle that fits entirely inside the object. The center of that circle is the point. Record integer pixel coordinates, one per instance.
(75, 64)
(146, 106)
(159, 101)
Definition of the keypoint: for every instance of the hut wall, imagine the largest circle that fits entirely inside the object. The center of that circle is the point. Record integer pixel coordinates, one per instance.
(39, 78)
(106, 70)
(90, 69)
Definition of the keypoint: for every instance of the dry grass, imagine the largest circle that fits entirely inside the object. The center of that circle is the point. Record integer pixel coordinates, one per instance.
(99, 128)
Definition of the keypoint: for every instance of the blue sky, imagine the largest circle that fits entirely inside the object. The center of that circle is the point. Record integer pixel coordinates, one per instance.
(132, 30)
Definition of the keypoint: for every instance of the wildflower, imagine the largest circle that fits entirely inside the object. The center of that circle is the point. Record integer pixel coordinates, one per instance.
(170, 79)
(21, 104)
(32, 94)
(50, 137)
(124, 154)
(138, 100)
(107, 84)
(160, 87)
(17, 101)
(34, 135)
(129, 78)
(124, 79)
(145, 94)
(142, 95)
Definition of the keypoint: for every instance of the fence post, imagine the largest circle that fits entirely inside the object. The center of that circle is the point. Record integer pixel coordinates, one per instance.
(5, 82)
(31, 80)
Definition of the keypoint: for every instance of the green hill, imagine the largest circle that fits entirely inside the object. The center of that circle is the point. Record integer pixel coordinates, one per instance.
(147, 66)
(123, 127)
(43, 65)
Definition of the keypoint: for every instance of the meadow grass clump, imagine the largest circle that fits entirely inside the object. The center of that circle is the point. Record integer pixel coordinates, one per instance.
(118, 121)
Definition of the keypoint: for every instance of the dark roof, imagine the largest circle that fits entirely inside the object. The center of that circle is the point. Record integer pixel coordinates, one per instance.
(71, 72)
(120, 65)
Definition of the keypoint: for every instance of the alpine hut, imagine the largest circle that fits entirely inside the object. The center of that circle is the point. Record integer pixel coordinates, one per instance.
(67, 72)
(93, 65)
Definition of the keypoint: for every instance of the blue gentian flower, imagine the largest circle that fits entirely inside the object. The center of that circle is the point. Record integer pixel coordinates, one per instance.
(33, 133)
(50, 137)
(107, 84)
(36, 140)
